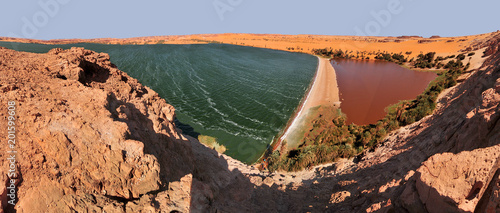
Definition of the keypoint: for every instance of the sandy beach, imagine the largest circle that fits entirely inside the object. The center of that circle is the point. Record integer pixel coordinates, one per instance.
(324, 91)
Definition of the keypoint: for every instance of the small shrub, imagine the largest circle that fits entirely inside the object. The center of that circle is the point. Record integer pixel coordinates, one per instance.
(212, 143)
(460, 57)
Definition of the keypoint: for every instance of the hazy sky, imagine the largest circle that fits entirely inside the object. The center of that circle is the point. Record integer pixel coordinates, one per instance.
(54, 19)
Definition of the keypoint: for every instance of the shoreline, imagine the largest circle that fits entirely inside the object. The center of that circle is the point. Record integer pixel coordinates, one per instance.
(294, 119)
(323, 91)
(276, 141)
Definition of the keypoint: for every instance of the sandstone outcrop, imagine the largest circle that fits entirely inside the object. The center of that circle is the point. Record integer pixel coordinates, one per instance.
(452, 183)
(87, 132)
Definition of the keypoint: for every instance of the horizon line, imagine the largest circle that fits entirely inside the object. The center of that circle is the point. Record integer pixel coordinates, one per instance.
(201, 34)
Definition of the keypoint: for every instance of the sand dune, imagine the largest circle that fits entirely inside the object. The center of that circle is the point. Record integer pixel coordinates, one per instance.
(299, 43)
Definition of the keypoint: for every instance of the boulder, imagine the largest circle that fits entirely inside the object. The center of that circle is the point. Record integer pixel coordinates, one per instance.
(453, 182)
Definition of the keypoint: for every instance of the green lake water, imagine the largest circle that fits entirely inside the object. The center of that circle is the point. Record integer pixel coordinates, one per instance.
(243, 96)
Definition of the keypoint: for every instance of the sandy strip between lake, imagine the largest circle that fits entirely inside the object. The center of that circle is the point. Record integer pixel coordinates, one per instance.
(324, 91)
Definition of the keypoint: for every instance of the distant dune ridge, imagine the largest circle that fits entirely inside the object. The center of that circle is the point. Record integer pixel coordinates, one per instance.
(296, 43)
(91, 138)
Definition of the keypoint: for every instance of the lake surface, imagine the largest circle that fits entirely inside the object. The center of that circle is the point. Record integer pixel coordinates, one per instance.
(368, 87)
(243, 96)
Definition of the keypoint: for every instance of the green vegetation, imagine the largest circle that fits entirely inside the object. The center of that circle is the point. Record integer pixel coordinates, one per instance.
(338, 53)
(460, 57)
(329, 52)
(298, 48)
(331, 138)
(423, 61)
(211, 142)
(208, 41)
(453, 64)
(395, 57)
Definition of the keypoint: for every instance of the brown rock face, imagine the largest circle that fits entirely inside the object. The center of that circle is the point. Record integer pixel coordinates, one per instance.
(493, 47)
(452, 183)
(88, 133)
(492, 201)
(497, 86)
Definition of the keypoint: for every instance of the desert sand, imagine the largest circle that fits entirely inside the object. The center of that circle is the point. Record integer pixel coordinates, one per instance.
(299, 43)
(411, 46)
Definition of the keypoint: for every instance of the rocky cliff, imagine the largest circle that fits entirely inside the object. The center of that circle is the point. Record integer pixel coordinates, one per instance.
(89, 138)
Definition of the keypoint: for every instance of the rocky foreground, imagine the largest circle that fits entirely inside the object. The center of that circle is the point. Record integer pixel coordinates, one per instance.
(92, 139)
